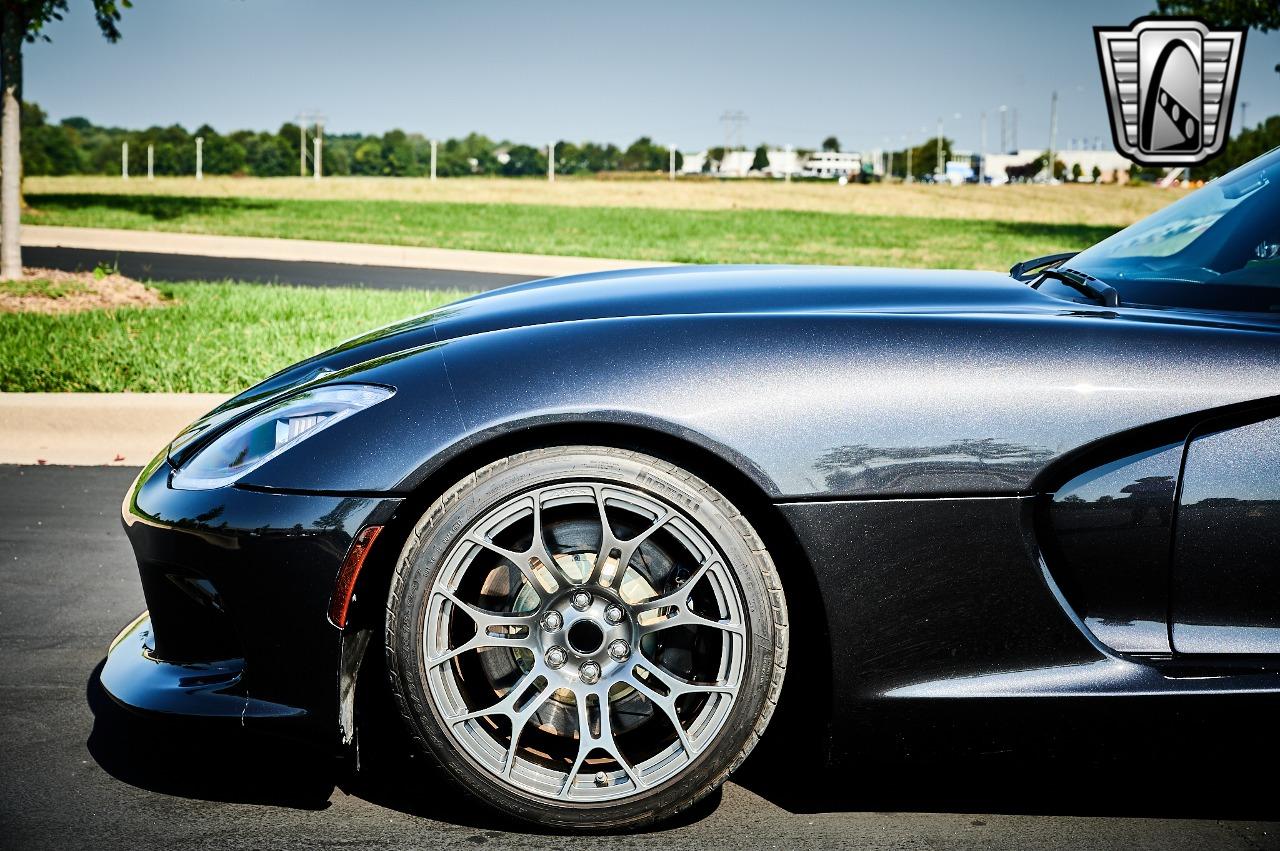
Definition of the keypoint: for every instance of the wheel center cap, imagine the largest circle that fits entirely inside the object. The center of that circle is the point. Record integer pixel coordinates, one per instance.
(585, 637)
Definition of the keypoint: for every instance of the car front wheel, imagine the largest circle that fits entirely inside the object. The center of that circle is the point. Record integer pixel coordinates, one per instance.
(586, 637)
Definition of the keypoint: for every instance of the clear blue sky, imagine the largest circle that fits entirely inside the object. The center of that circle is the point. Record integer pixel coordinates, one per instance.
(533, 71)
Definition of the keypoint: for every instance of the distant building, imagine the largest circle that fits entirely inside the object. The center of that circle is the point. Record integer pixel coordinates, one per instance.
(782, 163)
(1114, 167)
(736, 163)
(693, 163)
(832, 164)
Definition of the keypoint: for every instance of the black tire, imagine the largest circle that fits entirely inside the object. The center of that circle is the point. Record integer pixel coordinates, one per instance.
(766, 633)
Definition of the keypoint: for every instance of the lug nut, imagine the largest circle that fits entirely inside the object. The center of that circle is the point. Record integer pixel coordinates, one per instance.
(557, 656)
(614, 613)
(580, 600)
(602, 779)
(590, 672)
(552, 621)
(619, 650)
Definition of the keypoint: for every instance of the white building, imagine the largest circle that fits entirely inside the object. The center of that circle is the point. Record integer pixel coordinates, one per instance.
(736, 163)
(782, 163)
(693, 163)
(832, 164)
(1114, 167)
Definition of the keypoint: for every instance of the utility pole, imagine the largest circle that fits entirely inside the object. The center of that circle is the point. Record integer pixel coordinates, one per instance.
(733, 121)
(315, 157)
(551, 162)
(982, 154)
(151, 162)
(124, 160)
(939, 169)
(433, 159)
(199, 158)
(1004, 129)
(1053, 133)
(671, 149)
(910, 177)
(1244, 113)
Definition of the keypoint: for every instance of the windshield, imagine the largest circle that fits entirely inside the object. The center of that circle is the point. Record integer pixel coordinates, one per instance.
(1217, 249)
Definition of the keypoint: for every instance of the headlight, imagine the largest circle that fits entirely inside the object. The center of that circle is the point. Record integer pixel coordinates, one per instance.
(249, 444)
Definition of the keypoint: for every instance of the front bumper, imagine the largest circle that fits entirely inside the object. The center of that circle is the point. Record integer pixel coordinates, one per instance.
(139, 680)
(238, 584)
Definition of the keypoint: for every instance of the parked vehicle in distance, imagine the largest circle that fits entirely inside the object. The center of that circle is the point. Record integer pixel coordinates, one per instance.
(580, 525)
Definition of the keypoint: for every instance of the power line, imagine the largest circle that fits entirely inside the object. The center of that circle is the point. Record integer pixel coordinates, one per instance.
(733, 120)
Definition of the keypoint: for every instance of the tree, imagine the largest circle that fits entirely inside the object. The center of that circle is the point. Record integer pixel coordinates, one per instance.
(24, 23)
(1076, 173)
(1262, 15)
(924, 157)
(524, 160)
(831, 143)
(644, 155)
(1097, 174)
(761, 161)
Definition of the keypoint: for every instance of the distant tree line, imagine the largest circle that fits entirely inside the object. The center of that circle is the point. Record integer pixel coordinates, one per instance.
(77, 146)
(1249, 143)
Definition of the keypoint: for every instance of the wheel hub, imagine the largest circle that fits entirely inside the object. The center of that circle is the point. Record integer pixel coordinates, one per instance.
(586, 636)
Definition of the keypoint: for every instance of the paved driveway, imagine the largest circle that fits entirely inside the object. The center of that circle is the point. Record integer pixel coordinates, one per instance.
(75, 772)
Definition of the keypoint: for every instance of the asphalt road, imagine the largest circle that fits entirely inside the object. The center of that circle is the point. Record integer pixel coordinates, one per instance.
(189, 267)
(76, 772)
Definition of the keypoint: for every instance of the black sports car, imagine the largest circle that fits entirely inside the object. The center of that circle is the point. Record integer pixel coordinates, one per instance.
(588, 517)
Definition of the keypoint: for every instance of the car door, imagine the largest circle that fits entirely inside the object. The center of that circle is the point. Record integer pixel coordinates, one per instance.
(1226, 548)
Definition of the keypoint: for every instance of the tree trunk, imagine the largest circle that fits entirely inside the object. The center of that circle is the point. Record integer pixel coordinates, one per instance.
(11, 150)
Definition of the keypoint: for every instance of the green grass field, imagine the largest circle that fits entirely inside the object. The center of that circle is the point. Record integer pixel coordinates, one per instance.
(681, 235)
(223, 337)
(211, 337)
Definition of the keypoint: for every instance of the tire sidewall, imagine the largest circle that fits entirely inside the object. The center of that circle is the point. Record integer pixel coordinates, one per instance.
(438, 532)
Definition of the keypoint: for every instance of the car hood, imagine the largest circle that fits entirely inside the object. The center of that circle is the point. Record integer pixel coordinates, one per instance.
(702, 290)
(683, 290)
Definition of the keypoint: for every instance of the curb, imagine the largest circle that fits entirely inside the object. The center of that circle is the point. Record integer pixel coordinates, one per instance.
(316, 251)
(95, 429)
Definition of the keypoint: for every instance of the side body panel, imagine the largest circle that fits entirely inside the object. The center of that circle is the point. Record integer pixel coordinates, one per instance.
(1227, 547)
(947, 631)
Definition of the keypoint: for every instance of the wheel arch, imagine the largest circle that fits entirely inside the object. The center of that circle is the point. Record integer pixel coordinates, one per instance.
(810, 653)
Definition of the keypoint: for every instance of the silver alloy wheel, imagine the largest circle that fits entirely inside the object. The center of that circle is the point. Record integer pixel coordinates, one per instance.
(559, 667)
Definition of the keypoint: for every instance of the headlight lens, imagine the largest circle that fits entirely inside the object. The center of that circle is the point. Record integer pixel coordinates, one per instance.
(250, 444)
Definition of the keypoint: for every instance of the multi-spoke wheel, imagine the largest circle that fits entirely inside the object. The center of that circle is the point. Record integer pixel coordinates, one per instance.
(586, 637)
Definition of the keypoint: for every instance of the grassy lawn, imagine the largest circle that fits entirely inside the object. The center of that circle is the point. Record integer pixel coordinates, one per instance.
(1066, 204)
(214, 338)
(643, 233)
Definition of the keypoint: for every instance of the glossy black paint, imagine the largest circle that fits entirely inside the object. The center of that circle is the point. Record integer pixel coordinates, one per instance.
(273, 559)
(843, 362)
(1227, 548)
(136, 676)
(907, 430)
